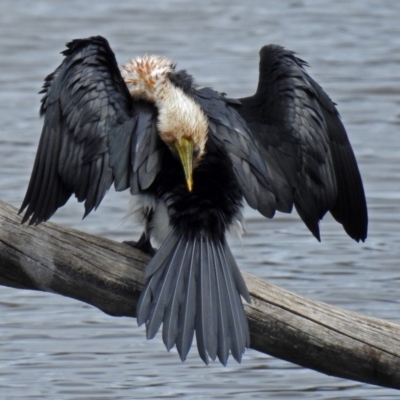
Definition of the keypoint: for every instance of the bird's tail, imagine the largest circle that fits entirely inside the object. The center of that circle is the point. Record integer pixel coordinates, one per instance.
(195, 285)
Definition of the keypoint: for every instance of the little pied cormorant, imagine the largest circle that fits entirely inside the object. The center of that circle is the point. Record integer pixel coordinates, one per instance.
(190, 157)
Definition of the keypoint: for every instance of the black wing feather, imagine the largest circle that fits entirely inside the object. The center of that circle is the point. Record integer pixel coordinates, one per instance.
(350, 208)
(300, 135)
(230, 130)
(90, 133)
(147, 149)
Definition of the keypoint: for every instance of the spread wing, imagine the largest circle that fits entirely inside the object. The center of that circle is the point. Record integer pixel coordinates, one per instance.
(91, 133)
(303, 141)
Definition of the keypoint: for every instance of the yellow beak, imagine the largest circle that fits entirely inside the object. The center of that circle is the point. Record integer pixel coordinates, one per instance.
(184, 147)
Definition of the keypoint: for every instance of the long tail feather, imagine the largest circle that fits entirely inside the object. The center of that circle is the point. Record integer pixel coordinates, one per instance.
(165, 280)
(239, 336)
(223, 330)
(170, 324)
(187, 312)
(206, 307)
(195, 286)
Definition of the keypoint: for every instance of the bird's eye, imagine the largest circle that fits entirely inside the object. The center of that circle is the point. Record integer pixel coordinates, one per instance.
(196, 151)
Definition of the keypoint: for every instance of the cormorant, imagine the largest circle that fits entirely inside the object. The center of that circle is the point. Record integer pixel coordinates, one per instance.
(190, 157)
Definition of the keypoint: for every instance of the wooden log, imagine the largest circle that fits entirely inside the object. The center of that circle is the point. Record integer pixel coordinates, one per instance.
(109, 276)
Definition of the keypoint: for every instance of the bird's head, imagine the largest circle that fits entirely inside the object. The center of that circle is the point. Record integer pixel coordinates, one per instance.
(182, 124)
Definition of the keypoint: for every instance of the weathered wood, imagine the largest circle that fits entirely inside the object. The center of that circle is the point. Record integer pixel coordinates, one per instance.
(109, 276)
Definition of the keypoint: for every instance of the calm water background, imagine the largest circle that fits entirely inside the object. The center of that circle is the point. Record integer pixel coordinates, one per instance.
(56, 348)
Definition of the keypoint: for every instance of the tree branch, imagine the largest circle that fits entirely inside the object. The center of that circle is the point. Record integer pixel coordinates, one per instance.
(109, 276)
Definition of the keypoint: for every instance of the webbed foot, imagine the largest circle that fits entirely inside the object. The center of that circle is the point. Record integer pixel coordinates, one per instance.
(143, 244)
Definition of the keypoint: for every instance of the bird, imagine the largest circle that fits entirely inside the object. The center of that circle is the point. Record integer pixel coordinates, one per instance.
(192, 158)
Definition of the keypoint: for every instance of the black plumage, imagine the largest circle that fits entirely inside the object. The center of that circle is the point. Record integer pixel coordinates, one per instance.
(301, 136)
(284, 146)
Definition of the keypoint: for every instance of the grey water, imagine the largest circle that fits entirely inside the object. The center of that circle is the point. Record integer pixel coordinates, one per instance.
(53, 347)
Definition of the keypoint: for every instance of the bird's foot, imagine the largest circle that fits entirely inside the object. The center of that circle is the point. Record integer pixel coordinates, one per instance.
(143, 244)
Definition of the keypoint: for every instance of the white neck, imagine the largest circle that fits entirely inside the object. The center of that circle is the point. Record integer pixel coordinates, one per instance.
(179, 115)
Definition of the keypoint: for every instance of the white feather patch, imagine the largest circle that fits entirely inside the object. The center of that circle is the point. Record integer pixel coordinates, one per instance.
(140, 207)
(238, 226)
